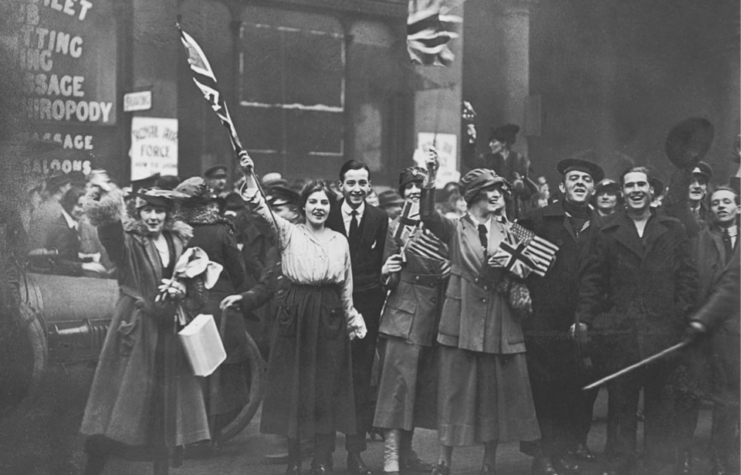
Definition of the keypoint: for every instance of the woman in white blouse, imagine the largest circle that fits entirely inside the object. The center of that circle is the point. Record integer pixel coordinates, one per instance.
(309, 384)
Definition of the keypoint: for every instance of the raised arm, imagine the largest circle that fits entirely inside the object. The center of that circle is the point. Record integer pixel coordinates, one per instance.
(439, 225)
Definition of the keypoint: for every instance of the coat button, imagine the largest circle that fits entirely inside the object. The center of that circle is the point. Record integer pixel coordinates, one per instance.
(416, 278)
(483, 300)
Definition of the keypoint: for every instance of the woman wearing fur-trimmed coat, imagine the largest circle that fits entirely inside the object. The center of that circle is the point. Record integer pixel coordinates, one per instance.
(144, 393)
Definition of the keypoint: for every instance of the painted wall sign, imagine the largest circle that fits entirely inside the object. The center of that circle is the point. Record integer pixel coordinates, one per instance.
(68, 54)
(137, 101)
(154, 147)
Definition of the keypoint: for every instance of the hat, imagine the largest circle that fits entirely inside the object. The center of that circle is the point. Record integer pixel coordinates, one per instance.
(568, 164)
(389, 198)
(161, 198)
(215, 171)
(195, 190)
(607, 186)
(273, 178)
(234, 202)
(505, 133)
(279, 195)
(411, 175)
(476, 180)
(704, 169)
(167, 182)
(143, 183)
(57, 180)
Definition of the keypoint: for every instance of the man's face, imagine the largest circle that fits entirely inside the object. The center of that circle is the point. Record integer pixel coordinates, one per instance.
(217, 183)
(393, 211)
(577, 186)
(606, 202)
(698, 187)
(355, 187)
(636, 191)
(724, 207)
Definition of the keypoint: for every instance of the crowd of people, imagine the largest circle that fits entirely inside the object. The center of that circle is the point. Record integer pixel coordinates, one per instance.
(429, 295)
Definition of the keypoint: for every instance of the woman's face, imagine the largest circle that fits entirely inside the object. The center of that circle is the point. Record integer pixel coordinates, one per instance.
(461, 205)
(316, 208)
(490, 200)
(77, 209)
(153, 218)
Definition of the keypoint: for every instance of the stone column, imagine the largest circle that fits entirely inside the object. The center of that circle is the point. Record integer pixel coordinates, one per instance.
(515, 25)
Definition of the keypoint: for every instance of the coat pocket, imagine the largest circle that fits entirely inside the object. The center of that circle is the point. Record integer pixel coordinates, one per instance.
(333, 321)
(287, 320)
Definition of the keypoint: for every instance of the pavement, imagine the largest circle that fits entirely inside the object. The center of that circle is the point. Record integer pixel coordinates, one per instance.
(44, 440)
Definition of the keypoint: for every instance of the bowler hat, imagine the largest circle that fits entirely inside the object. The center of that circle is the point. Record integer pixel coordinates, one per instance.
(568, 164)
(389, 198)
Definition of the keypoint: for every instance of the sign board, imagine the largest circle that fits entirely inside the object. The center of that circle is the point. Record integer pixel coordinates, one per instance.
(154, 147)
(137, 101)
(447, 151)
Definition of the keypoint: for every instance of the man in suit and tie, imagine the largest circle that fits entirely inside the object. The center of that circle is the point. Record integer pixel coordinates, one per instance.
(365, 227)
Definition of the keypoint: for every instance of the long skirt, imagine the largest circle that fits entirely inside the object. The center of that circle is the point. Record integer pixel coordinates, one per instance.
(484, 397)
(309, 381)
(407, 392)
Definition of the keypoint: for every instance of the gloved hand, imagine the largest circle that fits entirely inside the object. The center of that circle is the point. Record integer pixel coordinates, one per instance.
(581, 336)
(694, 331)
(356, 325)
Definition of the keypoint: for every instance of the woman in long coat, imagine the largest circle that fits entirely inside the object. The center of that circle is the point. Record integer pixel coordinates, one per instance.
(227, 386)
(144, 393)
(484, 394)
(309, 383)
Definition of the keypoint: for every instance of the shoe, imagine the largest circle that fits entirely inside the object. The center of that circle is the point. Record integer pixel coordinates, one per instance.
(564, 465)
(415, 464)
(440, 469)
(582, 452)
(543, 466)
(293, 468)
(684, 464)
(487, 469)
(356, 465)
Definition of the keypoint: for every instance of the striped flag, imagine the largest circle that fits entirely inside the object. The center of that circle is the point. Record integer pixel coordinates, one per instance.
(205, 79)
(429, 29)
(408, 222)
(510, 255)
(538, 250)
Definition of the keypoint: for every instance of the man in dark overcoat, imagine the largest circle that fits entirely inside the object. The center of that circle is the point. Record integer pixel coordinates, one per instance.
(365, 226)
(642, 265)
(556, 369)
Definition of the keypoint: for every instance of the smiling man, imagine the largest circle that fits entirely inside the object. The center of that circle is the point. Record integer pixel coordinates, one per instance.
(556, 374)
(365, 227)
(635, 294)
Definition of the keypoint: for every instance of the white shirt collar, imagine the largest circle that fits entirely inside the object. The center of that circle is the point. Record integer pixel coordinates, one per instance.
(70, 221)
(486, 224)
(347, 209)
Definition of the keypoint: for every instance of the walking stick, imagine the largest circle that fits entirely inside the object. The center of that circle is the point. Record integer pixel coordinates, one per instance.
(630, 368)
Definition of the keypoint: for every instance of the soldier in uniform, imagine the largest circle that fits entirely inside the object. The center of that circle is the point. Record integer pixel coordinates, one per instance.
(416, 273)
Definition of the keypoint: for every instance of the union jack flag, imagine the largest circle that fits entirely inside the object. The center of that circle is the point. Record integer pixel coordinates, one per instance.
(408, 222)
(205, 79)
(510, 255)
(429, 29)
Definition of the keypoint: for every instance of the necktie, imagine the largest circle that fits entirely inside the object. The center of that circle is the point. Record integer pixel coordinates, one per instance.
(352, 235)
(728, 244)
(483, 237)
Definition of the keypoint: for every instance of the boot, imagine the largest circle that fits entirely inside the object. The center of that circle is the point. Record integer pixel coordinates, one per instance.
(409, 461)
(392, 439)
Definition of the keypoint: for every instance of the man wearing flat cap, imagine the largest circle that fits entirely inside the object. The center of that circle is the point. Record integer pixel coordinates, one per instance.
(606, 197)
(556, 370)
(514, 167)
(216, 178)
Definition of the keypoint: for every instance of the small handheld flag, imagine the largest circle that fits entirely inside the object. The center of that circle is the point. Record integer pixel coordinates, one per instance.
(205, 79)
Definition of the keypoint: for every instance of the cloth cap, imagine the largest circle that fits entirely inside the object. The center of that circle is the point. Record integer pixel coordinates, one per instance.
(505, 133)
(389, 198)
(217, 171)
(568, 164)
(607, 186)
(279, 195)
(476, 180)
(411, 175)
(704, 169)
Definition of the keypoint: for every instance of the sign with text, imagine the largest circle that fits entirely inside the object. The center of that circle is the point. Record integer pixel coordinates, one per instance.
(67, 52)
(447, 151)
(137, 101)
(154, 147)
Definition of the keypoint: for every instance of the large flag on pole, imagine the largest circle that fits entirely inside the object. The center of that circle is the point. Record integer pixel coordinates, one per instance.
(205, 79)
(430, 27)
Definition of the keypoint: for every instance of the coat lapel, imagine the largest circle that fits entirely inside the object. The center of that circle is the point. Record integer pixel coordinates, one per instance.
(627, 235)
(654, 230)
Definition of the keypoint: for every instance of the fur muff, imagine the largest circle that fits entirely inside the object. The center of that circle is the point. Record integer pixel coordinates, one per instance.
(109, 209)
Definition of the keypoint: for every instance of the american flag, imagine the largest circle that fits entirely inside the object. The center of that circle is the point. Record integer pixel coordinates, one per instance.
(205, 79)
(415, 239)
(429, 29)
(539, 251)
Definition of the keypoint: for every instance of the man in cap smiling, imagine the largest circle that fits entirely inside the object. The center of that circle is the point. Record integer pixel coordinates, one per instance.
(216, 178)
(556, 372)
(698, 191)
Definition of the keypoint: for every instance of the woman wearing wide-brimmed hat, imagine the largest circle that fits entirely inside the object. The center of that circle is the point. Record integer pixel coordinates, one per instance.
(144, 394)
(484, 394)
